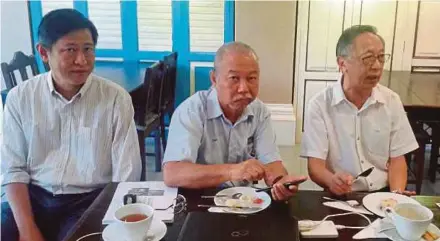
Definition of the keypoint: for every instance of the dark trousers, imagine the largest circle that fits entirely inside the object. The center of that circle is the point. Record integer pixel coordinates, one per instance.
(385, 189)
(53, 214)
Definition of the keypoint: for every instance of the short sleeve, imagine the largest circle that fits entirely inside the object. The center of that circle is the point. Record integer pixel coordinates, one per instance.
(265, 140)
(315, 141)
(185, 134)
(402, 136)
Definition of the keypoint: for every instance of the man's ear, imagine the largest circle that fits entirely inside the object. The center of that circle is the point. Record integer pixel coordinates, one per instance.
(341, 64)
(44, 53)
(213, 77)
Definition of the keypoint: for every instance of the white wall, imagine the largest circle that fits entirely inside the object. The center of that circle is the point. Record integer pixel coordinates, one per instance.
(269, 27)
(15, 30)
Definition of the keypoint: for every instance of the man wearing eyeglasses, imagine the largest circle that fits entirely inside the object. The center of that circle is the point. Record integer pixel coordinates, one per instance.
(357, 123)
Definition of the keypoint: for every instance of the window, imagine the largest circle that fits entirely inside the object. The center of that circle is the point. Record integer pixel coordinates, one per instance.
(147, 30)
(107, 18)
(206, 21)
(155, 25)
(47, 6)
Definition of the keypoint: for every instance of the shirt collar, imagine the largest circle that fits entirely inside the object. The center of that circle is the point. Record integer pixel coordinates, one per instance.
(50, 82)
(338, 94)
(81, 92)
(377, 95)
(214, 109)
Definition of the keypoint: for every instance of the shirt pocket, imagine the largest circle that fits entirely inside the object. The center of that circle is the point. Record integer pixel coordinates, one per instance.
(250, 152)
(376, 140)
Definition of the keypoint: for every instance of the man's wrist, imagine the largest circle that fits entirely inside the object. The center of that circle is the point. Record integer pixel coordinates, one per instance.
(227, 172)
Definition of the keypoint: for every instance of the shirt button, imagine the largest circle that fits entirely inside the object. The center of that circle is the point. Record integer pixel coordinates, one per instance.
(358, 138)
(362, 162)
(371, 184)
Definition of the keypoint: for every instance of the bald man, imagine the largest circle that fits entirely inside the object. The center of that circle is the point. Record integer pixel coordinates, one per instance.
(223, 136)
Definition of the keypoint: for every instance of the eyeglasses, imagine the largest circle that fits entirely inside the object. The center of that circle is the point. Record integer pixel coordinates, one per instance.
(179, 205)
(370, 60)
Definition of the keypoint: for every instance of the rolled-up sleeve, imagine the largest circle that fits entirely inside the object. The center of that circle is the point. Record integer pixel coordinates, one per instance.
(402, 136)
(265, 140)
(315, 139)
(14, 148)
(126, 161)
(185, 135)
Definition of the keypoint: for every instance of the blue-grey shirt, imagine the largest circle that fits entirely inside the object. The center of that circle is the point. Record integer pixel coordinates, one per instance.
(200, 133)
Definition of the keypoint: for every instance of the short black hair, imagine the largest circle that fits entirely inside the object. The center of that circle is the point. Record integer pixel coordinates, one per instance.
(60, 22)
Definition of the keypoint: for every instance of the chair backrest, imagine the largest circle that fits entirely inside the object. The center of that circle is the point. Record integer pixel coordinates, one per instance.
(153, 83)
(19, 62)
(139, 98)
(170, 65)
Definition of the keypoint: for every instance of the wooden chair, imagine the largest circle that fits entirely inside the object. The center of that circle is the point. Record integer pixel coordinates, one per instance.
(19, 62)
(170, 63)
(416, 159)
(434, 166)
(146, 103)
(168, 94)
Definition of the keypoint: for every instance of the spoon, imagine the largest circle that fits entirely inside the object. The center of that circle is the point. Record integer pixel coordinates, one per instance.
(365, 173)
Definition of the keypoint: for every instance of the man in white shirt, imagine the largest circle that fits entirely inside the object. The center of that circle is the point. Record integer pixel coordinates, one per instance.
(357, 123)
(67, 134)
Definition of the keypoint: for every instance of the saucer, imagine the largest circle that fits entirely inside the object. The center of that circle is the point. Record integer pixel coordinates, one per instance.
(157, 231)
(394, 236)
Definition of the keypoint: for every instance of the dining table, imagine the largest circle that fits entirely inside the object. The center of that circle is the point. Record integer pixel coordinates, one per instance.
(419, 93)
(305, 205)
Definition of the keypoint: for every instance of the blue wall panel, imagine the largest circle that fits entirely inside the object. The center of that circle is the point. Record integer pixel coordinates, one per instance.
(202, 81)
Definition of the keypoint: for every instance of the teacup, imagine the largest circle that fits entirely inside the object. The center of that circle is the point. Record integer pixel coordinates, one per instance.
(135, 220)
(411, 220)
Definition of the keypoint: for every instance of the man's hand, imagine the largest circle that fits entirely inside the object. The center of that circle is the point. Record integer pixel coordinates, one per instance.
(280, 192)
(249, 170)
(340, 183)
(31, 233)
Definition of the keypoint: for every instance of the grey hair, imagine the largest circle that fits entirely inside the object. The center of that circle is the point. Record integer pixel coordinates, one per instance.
(345, 42)
(237, 47)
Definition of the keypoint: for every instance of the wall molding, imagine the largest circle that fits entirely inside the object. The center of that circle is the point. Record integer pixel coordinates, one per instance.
(284, 123)
(192, 74)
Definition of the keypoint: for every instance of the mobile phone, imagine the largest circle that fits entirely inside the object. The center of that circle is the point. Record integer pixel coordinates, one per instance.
(287, 184)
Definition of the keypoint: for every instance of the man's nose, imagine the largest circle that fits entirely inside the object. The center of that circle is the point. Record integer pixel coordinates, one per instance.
(243, 86)
(80, 58)
(377, 64)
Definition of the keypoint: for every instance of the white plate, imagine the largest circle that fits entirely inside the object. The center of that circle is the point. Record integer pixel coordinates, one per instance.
(393, 235)
(245, 191)
(157, 231)
(372, 201)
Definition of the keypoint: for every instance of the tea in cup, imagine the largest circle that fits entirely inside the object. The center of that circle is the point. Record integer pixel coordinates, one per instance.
(411, 220)
(135, 220)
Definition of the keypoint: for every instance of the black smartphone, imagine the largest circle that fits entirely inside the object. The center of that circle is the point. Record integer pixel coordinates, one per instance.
(287, 184)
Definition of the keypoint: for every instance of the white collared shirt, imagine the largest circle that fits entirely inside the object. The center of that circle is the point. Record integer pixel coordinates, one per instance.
(69, 146)
(352, 140)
